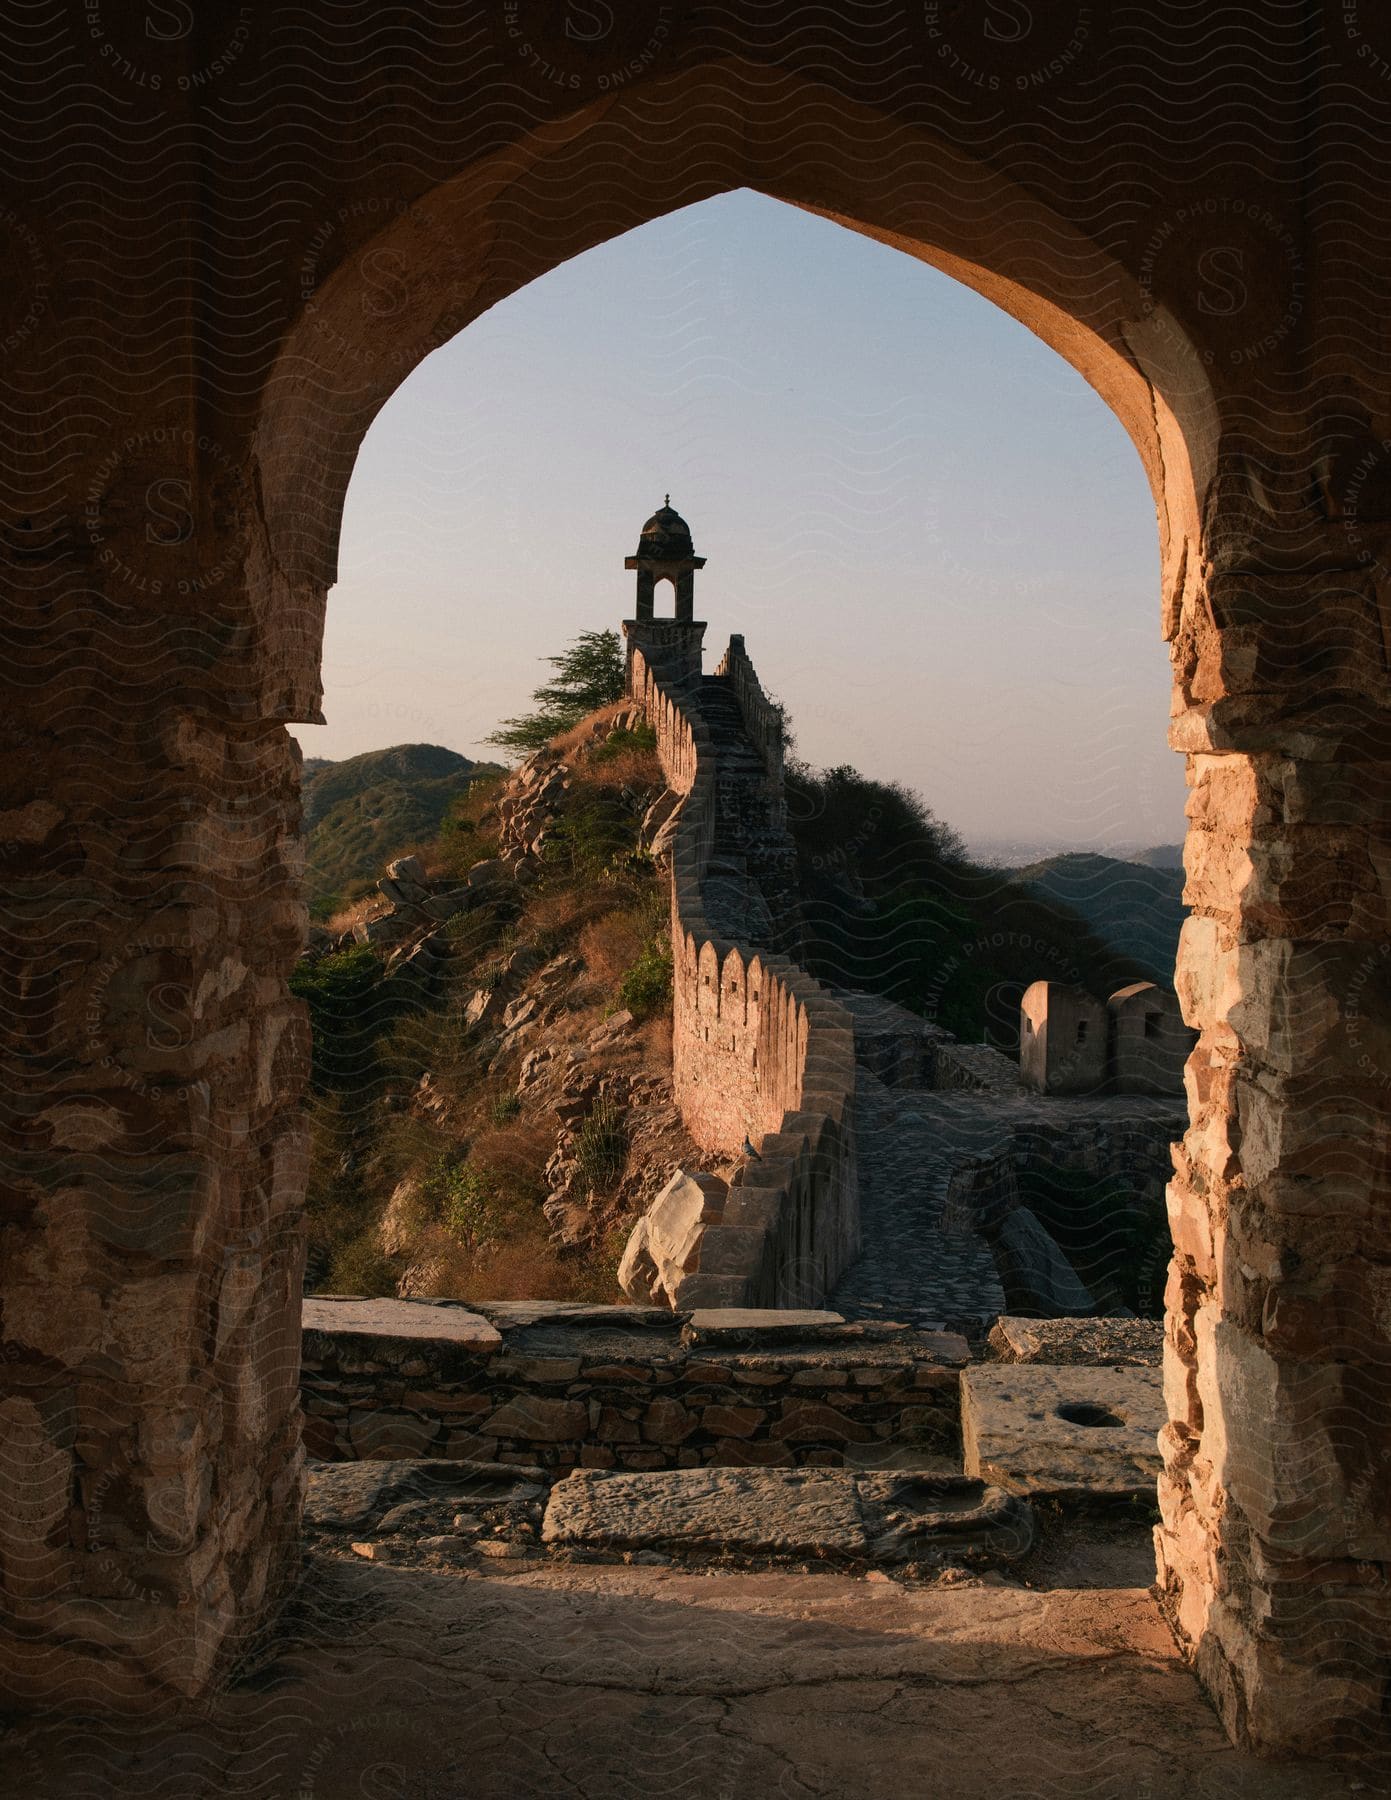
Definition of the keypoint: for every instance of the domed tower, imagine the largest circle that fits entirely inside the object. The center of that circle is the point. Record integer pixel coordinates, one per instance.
(665, 553)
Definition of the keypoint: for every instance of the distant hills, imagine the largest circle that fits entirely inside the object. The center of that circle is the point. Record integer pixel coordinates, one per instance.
(361, 812)
(1162, 856)
(1135, 906)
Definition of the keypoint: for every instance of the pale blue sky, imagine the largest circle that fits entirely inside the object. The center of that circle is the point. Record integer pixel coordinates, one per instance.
(936, 539)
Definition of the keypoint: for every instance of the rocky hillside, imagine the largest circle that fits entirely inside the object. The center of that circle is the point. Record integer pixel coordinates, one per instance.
(492, 1103)
(492, 1098)
(361, 812)
(1136, 908)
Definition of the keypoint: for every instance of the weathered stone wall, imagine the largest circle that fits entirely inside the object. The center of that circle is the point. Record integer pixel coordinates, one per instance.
(184, 321)
(978, 1066)
(762, 720)
(152, 1181)
(759, 1050)
(614, 1387)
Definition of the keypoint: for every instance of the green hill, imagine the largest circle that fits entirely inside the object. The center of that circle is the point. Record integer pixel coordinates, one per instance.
(892, 905)
(1137, 908)
(363, 811)
(1159, 856)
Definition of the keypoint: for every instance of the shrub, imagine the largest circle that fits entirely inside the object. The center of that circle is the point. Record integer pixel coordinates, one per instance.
(504, 1107)
(646, 988)
(359, 1267)
(640, 738)
(601, 1146)
(590, 839)
(468, 832)
(349, 1006)
(588, 675)
(469, 1209)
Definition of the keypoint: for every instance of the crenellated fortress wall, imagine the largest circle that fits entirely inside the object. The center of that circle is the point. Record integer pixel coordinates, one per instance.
(760, 1051)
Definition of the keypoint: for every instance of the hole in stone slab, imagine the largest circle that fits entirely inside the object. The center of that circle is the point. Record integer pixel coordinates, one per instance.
(1087, 1412)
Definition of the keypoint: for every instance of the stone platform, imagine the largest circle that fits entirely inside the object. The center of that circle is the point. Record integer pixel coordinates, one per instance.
(1064, 1433)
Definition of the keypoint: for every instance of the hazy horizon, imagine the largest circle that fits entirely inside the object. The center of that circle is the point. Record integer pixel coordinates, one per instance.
(936, 539)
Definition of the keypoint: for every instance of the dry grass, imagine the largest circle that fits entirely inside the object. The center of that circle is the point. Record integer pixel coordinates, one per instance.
(582, 736)
(655, 1037)
(368, 907)
(562, 912)
(609, 945)
(526, 1267)
(629, 768)
(514, 1155)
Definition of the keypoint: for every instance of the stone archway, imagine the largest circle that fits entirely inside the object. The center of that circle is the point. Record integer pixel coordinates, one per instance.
(151, 1306)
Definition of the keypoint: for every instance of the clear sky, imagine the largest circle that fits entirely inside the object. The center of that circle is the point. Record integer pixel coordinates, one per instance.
(936, 539)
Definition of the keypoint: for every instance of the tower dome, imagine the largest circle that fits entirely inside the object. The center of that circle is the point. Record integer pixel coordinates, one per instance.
(666, 537)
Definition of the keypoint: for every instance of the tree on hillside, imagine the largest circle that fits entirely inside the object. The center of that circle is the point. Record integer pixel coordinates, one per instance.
(588, 675)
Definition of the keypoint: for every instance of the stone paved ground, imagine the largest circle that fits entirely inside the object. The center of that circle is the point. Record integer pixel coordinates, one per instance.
(912, 1267)
(604, 1683)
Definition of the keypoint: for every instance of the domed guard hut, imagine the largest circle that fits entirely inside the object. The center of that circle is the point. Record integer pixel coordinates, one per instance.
(665, 553)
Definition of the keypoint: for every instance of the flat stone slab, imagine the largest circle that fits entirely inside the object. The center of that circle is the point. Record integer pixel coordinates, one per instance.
(729, 1324)
(517, 1315)
(808, 1511)
(1117, 1342)
(358, 1494)
(1070, 1432)
(454, 1325)
(837, 1513)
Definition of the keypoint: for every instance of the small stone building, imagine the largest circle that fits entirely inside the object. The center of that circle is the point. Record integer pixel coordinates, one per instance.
(1070, 1043)
(1062, 1039)
(1147, 1040)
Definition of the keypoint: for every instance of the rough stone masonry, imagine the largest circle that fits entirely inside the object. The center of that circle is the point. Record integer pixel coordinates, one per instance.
(196, 230)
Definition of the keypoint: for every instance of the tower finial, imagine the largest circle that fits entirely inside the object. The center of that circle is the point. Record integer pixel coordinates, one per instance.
(666, 499)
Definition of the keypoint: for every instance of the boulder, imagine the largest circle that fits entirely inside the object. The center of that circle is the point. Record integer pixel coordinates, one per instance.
(402, 893)
(407, 869)
(489, 874)
(389, 928)
(405, 1215)
(658, 813)
(444, 906)
(519, 1012)
(484, 1004)
(664, 1246)
(665, 836)
(612, 1027)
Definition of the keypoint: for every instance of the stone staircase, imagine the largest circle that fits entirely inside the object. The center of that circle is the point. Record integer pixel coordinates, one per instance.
(750, 888)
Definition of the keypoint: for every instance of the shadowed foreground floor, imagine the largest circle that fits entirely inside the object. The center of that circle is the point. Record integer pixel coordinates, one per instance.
(615, 1681)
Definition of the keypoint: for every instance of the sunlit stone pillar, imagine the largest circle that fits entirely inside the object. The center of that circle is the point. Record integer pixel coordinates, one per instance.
(1275, 1546)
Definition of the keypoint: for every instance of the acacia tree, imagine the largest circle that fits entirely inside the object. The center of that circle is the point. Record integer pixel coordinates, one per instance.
(588, 675)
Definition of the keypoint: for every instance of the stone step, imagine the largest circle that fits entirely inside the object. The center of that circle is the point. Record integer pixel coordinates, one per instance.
(845, 1515)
